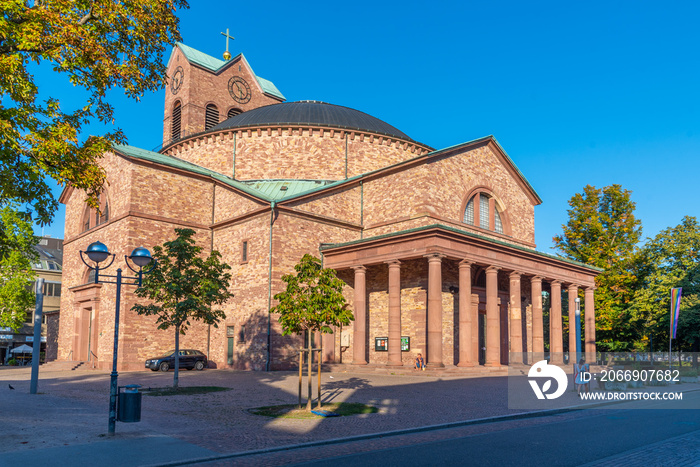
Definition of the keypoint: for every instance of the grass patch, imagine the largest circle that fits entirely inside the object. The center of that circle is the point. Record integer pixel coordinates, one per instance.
(292, 410)
(183, 391)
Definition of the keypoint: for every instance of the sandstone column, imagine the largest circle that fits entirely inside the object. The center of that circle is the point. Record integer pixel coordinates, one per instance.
(573, 293)
(493, 324)
(468, 322)
(589, 303)
(476, 329)
(516, 323)
(394, 314)
(359, 327)
(435, 311)
(537, 321)
(556, 339)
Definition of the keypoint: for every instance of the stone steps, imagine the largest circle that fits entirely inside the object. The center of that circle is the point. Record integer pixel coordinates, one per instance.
(448, 370)
(65, 365)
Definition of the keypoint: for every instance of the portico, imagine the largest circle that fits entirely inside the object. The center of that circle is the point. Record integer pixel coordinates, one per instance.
(448, 289)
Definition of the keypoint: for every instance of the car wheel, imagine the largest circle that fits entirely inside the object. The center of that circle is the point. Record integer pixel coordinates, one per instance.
(164, 366)
(199, 365)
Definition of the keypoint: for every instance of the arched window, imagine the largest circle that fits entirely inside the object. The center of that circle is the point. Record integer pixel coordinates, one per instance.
(234, 112)
(482, 211)
(211, 117)
(177, 118)
(92, 217)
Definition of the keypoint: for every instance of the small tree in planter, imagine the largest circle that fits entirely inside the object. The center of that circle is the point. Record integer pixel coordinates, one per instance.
(313, 301)
(185, 287)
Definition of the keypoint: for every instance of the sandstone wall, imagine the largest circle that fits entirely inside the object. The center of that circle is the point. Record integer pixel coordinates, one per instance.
(439, 189)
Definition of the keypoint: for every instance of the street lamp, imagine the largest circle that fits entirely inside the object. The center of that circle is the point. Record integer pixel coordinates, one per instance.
(97, 252)
(578, 329)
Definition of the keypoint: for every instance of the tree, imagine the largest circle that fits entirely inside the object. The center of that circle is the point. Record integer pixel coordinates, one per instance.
(313, 301)
(185, 287)
(17, 254)
(603, 232)
(671, 259)
(98, 45)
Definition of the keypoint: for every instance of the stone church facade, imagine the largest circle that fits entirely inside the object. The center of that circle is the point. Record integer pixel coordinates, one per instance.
(436, 247)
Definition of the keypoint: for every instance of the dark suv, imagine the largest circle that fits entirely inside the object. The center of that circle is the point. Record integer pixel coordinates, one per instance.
(188, 359)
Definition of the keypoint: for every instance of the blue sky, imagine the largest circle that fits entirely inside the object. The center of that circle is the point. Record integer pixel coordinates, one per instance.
(596, 93)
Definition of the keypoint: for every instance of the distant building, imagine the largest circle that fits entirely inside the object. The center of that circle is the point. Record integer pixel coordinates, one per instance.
(49, 267)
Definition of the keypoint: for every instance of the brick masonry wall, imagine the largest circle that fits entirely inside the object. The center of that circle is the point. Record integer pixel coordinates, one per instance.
(117, 190)
(167, 194)
(230, 204)
(343, 205)
(249, 283)
(285, 153)
(440, 189)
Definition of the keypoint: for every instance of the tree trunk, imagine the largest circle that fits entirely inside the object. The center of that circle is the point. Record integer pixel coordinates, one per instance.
(308, 374)
(176, 377)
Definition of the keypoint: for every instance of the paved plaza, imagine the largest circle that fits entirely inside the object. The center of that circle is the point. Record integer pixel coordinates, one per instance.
(66, 422)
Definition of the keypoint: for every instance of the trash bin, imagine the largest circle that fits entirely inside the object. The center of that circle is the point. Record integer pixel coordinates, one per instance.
(129, 409)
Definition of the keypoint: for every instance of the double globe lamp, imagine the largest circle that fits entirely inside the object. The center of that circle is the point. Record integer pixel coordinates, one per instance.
(97, 252)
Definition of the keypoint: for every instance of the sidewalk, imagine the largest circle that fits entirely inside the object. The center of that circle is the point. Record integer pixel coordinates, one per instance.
(66, 423)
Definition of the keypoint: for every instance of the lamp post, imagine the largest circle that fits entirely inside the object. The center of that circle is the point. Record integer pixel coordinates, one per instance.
(578, 329)
(98, 252)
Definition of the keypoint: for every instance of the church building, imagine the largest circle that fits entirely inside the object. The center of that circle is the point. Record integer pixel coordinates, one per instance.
(436, 247)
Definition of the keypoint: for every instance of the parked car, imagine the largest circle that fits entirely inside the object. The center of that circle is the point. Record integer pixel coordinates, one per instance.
(188, 359)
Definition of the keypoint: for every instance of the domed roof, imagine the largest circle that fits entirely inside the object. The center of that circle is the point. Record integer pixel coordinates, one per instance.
(311, 113)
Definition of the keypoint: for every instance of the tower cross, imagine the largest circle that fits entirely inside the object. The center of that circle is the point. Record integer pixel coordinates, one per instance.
(228, 36)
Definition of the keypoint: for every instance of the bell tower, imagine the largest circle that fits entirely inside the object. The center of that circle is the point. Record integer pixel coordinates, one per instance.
(203, 91)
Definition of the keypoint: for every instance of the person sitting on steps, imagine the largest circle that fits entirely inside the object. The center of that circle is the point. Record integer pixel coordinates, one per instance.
(420, 363)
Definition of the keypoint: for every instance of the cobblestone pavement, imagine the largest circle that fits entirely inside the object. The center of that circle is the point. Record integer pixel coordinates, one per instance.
(681, 451)
(221, 421)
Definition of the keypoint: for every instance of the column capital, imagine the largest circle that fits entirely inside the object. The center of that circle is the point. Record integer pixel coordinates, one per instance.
(394, 262)
(536, 279)
(590, 288)
(555, 282)
(493, 269)
(434, 257)
(359, 268)
(572, 286)
(515, 274)
(466, 262)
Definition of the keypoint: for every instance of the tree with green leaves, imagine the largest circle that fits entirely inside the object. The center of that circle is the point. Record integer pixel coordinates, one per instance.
(313, 301)
(671, 259)
(602, 231)
(185, 287)
(16, 275)
(97, 45)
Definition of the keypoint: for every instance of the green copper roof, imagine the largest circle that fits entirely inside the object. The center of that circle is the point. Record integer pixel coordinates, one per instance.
(200, 58)
(174, 162)
(215, 65)
(269, 87)
(279, 189)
